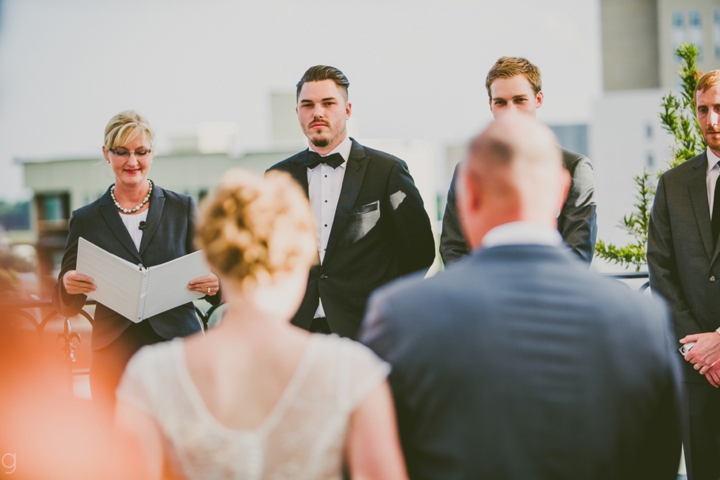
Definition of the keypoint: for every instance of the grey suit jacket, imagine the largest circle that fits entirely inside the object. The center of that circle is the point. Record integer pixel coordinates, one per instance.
(169, 235)
(380, 231)
(518, 363)
(577, 222)
(682, 260)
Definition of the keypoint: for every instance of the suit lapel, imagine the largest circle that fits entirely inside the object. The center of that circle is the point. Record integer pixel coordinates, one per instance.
(298, 171)
(697, 188)
(157, 203)
(354, 175)
(112, 218)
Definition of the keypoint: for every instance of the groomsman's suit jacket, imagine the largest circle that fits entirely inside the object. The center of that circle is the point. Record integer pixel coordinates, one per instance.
(380, 232)
(169, 235)
(682, 260)
(518, 363)
(577, 221)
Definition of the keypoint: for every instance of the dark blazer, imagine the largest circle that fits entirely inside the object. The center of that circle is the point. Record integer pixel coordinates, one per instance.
(682, 260)
(380, 232)
(169, 235)
(518, 363)
(577, 222)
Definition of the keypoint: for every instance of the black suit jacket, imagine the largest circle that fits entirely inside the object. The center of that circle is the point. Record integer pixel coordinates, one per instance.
(169, 235)
(577, 221)
(380, 231)
(518, 363)
(682, 260)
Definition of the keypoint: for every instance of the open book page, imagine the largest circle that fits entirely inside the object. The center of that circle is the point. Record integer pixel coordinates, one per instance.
(136, 294)
(117, 281)
(167, 283)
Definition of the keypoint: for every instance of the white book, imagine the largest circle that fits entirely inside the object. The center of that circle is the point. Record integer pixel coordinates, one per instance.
(136, 292)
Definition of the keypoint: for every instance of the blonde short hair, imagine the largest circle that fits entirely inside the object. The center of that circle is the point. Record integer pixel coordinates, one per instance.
(254, 228)
(124, 126)
(507, 67)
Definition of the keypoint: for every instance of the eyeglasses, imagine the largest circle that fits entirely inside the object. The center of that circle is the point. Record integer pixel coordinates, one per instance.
(123, 153)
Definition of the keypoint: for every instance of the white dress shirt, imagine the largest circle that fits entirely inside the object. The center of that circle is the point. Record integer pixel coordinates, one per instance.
(711, 177)
(324, 185)
(521, 233)
(132, 223)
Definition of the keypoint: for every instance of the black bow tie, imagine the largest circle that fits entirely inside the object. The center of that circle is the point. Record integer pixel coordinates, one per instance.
(312, 160)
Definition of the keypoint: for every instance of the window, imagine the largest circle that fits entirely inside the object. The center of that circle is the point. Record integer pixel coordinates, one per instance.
(649, 131)
(678, 29)
(53, 206)
(695, 29)
(650, 160)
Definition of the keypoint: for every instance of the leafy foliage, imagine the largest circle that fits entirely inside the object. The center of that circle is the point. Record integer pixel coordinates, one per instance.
(678, 118)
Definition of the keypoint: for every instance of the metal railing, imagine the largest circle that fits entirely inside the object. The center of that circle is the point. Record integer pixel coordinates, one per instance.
(41, 312)
(632, 276)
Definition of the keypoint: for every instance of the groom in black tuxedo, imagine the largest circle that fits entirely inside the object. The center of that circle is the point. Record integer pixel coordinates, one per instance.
(370, 221)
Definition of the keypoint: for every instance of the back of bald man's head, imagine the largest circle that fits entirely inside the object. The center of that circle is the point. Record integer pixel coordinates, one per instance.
(515, 167)
(515, 141)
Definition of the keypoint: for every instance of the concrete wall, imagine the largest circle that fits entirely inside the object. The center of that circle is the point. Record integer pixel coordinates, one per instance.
(87, 179)
(625, 134)
(629, 44)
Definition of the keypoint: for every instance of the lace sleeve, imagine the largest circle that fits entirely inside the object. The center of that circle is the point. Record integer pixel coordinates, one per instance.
(134, 388)
(364, 372)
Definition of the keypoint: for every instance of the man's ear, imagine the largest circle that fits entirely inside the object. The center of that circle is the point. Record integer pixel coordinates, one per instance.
(467, 191)
(539, 99)
(348, 110)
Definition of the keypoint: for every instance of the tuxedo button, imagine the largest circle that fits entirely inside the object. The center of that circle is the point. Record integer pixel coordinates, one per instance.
(323, 277)
(712, 278)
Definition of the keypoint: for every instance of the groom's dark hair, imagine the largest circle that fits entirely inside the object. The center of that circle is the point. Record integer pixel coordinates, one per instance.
(319, 73)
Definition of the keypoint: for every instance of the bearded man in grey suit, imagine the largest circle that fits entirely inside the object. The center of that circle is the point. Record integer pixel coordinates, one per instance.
(685, 271)
(515, 85)
(518, 363)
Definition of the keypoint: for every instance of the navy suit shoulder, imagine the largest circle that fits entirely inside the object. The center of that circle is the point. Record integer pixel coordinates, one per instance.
(505, 355)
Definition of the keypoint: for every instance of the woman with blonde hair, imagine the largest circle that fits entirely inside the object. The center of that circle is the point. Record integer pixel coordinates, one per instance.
(258, 397)
(142, 223)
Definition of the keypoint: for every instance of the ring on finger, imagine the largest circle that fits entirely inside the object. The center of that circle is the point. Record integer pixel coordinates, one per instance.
(208, 289)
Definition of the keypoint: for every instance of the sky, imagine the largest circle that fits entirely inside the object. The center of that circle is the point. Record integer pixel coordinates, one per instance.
(416, 67)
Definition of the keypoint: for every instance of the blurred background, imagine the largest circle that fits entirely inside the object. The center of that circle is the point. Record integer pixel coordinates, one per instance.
(217, 81)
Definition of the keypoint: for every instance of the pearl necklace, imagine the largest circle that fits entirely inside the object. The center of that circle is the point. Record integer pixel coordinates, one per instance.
(132, 210)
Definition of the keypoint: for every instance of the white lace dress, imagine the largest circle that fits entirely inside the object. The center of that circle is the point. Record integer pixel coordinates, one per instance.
(303, 436)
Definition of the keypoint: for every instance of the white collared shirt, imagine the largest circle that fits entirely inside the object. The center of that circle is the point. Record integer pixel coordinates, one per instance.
(521, 233)
(324, 185)
(711, 177)
(132, 223)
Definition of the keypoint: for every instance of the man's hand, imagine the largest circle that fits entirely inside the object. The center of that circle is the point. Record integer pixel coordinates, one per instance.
(706, 351)
(713, 376)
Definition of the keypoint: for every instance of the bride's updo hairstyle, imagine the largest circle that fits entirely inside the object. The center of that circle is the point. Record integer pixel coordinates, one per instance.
(253, 229)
